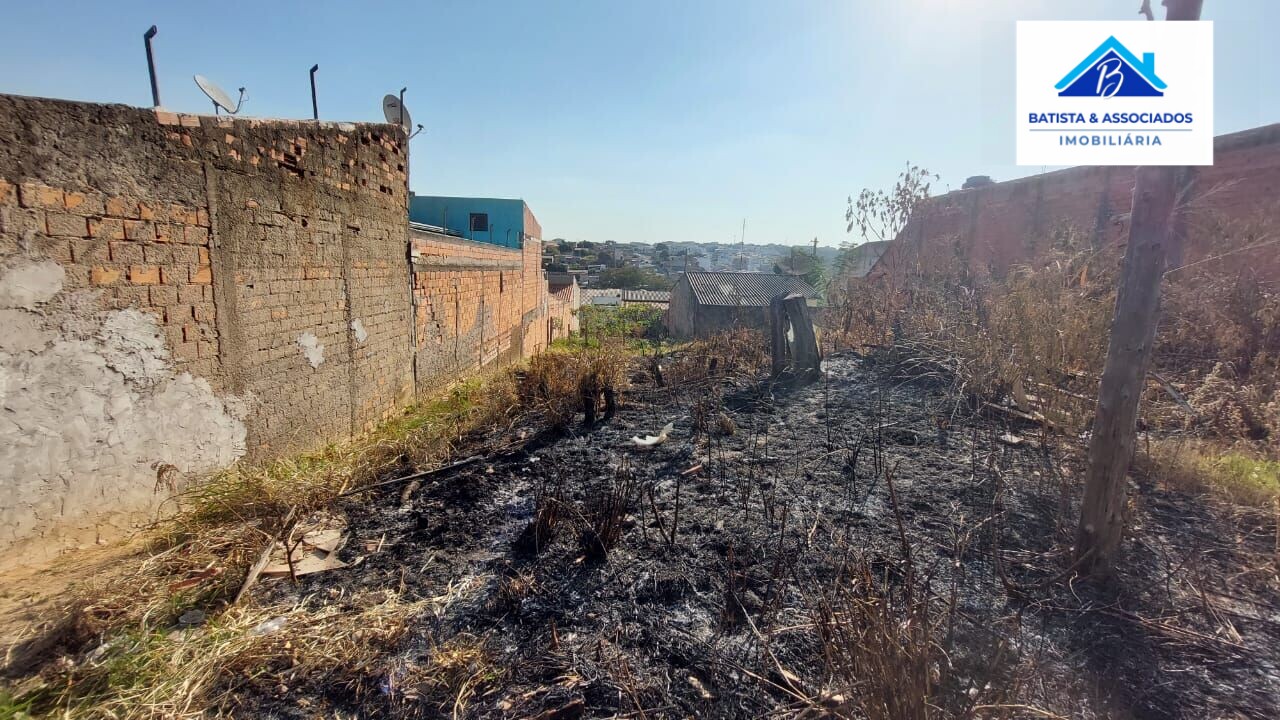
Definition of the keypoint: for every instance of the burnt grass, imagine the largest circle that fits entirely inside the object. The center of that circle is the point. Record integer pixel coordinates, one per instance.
(706, 610)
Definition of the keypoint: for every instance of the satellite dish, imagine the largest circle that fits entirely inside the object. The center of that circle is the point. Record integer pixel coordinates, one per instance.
(395, 114)
(219, 96)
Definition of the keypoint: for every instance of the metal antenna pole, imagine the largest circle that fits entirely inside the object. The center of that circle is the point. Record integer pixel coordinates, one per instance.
(315, 109)
(406, 130)
(151, 66)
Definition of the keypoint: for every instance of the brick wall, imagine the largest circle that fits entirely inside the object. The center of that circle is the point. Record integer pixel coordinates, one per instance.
(186, 290)
(1000, 225)
(476, 304)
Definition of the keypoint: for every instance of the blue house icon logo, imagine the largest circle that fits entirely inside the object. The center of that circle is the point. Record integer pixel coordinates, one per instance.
(1112, 71)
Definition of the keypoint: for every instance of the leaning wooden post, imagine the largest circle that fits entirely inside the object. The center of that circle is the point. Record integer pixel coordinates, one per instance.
(1133, 331)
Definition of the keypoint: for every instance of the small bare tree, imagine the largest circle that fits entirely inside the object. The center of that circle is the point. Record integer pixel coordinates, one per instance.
(1151, 237)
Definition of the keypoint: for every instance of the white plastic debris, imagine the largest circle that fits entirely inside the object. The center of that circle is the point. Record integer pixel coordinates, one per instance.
(649, 441)
(268, 627)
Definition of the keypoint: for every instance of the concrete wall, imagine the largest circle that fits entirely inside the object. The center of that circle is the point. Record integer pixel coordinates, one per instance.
(179, 292)
(1000, 225)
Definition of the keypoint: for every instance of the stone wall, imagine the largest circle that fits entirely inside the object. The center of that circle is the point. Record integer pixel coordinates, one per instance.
(1001, 225)
(179, 292)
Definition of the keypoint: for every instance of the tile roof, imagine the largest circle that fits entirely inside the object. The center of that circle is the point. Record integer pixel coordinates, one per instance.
(745, 289)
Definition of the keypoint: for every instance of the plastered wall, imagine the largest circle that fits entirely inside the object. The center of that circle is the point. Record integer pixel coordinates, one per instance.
(181, 292)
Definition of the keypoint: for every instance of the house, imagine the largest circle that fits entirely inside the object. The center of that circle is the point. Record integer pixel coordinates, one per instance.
(704, 303)
(497, 221)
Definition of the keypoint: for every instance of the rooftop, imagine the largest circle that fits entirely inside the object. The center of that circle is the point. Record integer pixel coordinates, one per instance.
(745, 289)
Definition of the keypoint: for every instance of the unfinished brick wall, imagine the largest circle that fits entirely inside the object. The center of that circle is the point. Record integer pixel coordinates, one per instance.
(185, 291)
(476, 304)
(181, 291)
(998, 226)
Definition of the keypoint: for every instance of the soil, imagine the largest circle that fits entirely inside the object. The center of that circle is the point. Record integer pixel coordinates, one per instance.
(704, 605)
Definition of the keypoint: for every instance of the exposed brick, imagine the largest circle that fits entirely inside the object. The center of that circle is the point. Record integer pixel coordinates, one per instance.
(165, 117)
(190, 294)
(126, 253)
(54, 248)
(106, 228)
(36, 195)
(144, 274)
(163, 295)
(100, 275)
(139, 230)
(196, 235)
(121, 207)
(158, 253)
(202, 275)
(8, 193)
(166, 232)
(171, 275)
(66, 225)
(90, 251)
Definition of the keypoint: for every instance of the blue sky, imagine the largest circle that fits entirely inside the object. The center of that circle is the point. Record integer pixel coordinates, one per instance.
(637, 121)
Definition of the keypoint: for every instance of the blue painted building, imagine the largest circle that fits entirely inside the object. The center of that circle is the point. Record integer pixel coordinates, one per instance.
(500, 221)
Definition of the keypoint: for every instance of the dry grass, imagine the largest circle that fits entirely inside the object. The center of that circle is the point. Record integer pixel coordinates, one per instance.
(1041, 329)
(197, 560)
(559, 384)
(883, 643)
(158, 672)
(737, 351)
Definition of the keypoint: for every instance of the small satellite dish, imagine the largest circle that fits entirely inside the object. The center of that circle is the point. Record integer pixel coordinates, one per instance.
(395, 114)
(219, 96)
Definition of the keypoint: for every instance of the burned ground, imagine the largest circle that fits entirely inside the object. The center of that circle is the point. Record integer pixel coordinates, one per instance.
(706, 604)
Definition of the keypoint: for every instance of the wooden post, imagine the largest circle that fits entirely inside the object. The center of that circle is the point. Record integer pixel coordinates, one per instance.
(1155, 193)
(792, 311)
(804, 346)
(778, 335)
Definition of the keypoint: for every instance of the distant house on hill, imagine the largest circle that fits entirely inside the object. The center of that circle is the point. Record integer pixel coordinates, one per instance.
(704, 303)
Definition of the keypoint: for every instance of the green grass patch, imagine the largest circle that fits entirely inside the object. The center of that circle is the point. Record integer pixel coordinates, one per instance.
(1242, 476)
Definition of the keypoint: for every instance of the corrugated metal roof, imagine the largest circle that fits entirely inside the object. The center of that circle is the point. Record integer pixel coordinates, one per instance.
(745, 289)
(650, 296)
